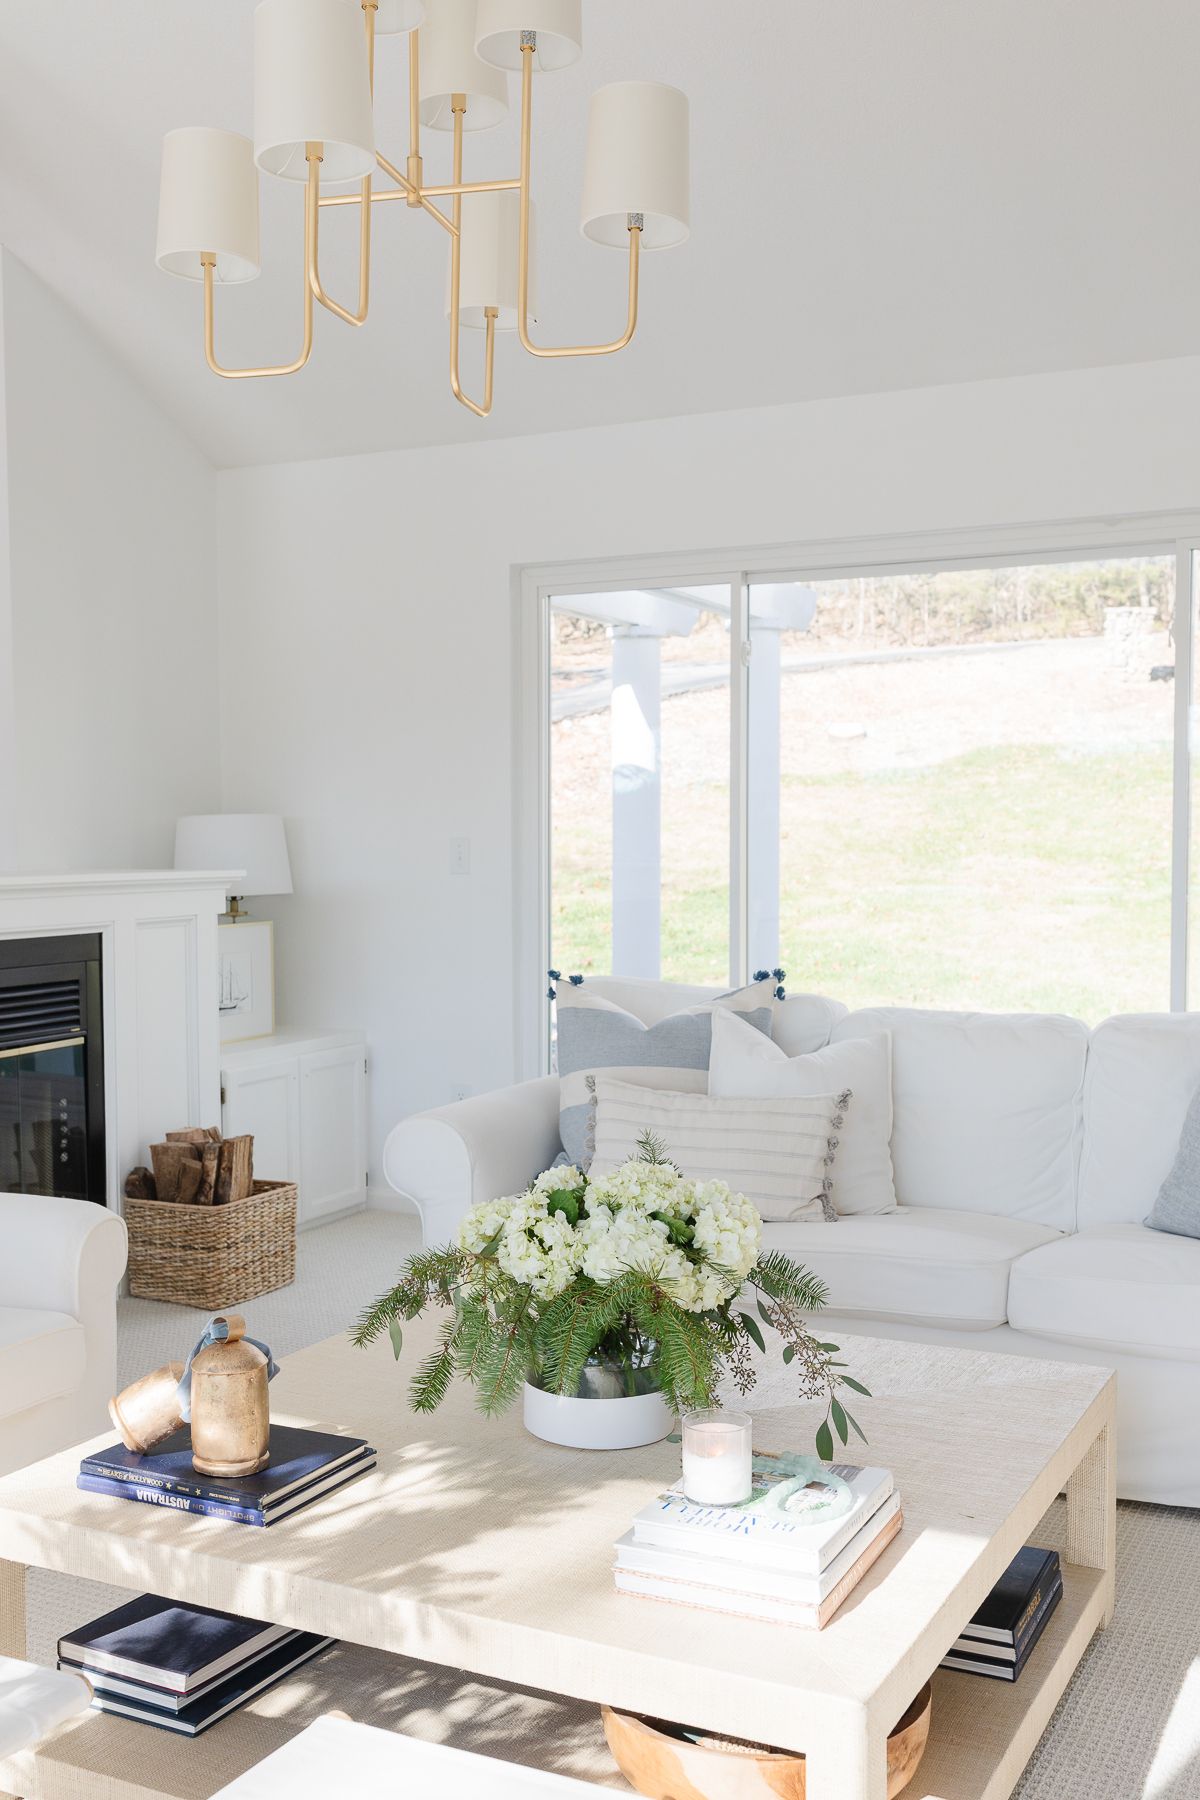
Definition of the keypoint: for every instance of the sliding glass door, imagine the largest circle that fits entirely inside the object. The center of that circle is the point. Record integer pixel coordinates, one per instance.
(961, 787)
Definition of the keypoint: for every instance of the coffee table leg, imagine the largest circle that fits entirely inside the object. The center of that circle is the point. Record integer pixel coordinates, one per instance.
(847, 1761)
(12, 1618)
(12, 1610)
(1092, 1513)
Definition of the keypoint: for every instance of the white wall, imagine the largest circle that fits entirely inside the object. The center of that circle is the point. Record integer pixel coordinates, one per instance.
(366, 623)
(112, 636)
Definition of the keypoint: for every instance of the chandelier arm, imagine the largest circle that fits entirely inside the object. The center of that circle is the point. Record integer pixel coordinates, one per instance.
(459, 106)
(359, 317)
(635, 233)
(208, 261)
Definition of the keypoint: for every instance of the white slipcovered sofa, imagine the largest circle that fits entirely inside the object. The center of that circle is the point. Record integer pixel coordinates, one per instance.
(60, 1263)
(1027, 1150)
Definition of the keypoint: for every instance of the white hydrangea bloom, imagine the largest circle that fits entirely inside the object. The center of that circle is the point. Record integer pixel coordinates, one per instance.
(619, 1232)
(482, 1223)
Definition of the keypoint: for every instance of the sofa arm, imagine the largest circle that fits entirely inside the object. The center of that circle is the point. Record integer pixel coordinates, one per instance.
(64, 1255)
(448, 1160)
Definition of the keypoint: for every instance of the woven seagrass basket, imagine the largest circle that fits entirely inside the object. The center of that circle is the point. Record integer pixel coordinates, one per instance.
(213, 1256)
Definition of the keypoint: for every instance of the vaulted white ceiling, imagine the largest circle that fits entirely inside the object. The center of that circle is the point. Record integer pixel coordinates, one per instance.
(886, 193)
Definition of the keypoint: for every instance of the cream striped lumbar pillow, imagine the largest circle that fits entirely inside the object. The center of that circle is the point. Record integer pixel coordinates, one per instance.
(778, 1152)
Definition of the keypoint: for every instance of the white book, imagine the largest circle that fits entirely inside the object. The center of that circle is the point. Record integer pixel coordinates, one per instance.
(782, 1582)
(811, 1615)
(766, 1539)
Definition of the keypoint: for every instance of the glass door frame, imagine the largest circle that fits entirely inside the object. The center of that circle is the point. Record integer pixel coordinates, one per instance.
(534, 587)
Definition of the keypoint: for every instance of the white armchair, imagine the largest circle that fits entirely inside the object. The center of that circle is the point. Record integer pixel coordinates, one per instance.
(448, 1160)
(60, 1263)
(314, 1764)
(34, 1700)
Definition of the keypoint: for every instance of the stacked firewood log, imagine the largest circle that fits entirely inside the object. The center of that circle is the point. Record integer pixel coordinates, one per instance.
(196, 1167)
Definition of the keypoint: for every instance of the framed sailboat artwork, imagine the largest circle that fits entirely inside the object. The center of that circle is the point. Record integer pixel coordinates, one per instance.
(246, 979)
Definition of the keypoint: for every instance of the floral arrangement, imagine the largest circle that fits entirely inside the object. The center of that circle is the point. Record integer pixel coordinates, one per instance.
(643, 1273)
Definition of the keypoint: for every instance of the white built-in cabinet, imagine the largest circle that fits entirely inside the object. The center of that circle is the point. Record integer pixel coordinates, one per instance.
(303, 1095)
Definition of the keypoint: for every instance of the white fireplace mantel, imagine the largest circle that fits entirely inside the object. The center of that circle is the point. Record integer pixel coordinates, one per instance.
(158, 932)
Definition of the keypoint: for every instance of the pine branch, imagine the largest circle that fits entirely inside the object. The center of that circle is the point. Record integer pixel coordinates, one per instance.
(781, 1278)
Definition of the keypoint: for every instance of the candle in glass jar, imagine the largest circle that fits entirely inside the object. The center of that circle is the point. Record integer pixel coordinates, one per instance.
(717, 1457)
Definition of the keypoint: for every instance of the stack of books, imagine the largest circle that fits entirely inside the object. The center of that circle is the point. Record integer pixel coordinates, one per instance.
(303, 1466)
(181, 1668)
(760, 1565)
(999, 1639)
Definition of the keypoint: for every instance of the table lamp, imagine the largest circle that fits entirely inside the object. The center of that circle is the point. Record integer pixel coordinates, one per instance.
(254, 842)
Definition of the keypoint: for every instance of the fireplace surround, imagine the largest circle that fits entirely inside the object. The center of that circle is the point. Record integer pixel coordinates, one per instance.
(153, 992)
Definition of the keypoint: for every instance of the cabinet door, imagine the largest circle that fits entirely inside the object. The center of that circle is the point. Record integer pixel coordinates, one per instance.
(333, 1154)
(265, 1101)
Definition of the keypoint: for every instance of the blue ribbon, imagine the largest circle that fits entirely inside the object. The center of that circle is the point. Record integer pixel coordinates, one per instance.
(215, 1332)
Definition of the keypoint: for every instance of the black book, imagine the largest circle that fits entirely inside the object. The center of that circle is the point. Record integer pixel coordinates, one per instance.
(167, 1643)
(160, 1699)
(1007, 1614)
(155, 1494)
(297, 1455)
(975, 1658)
(227, 1696)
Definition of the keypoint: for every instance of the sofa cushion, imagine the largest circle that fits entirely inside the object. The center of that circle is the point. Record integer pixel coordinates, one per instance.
(42, 1356)
(801, 1022)
(987, 1109)
(778, 1153)
(918, 1265)
(746, 1064)
(1142, 1072)
(1118, 1286)
(596, 1034)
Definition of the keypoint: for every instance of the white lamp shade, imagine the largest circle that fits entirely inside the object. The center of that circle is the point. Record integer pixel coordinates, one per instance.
(449, 66)
(637, 162)
(558, 23)
(311, 83)
(254, 842)
(489, 259)
(398, 15)
(208, 201)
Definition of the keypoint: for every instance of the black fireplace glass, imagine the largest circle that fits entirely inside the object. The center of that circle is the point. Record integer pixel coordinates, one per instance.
(43, 1121)
(52, 1067)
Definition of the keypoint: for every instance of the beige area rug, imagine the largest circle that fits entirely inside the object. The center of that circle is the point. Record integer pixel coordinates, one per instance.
(1128, 1727)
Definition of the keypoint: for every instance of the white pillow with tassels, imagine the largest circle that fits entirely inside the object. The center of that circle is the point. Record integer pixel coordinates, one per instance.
(745, 1063)
(778, 1153)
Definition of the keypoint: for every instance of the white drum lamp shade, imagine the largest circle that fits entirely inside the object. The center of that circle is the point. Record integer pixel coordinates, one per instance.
(398, 15)
(558, 24)
(254, 842)
(208, 201)
(636, 162)
(489, 259)
(449, 66)
(311, 83)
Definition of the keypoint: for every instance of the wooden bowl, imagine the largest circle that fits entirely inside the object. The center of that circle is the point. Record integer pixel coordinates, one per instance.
(658, 1761)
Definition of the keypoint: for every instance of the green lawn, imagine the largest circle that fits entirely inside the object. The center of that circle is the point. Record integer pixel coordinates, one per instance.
(1026, 877)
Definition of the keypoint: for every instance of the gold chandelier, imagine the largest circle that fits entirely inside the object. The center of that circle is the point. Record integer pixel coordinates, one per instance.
(314, 123)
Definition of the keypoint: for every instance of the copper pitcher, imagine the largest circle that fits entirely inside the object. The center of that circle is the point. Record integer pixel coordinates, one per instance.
(224, 1391)
(148, 1410)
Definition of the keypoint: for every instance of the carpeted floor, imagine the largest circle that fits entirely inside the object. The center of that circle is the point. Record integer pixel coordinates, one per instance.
(1128, 1727)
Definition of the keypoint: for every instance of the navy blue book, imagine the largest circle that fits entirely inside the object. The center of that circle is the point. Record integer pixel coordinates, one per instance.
(1009, 1609)
(297, 1455)
(236, 1514)
(227, 1696)
(975, 1657)
(167, 1643)
(160, 1699)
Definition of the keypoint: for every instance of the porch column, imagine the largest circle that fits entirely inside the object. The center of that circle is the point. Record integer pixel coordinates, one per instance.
(636, 802)
(763, 784)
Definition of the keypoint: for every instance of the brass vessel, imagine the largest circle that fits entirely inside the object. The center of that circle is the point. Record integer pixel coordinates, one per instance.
(229, 1406)
(149, 1409)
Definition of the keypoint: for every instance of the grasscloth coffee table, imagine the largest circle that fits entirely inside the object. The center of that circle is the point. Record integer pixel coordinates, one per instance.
(476, 1547)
